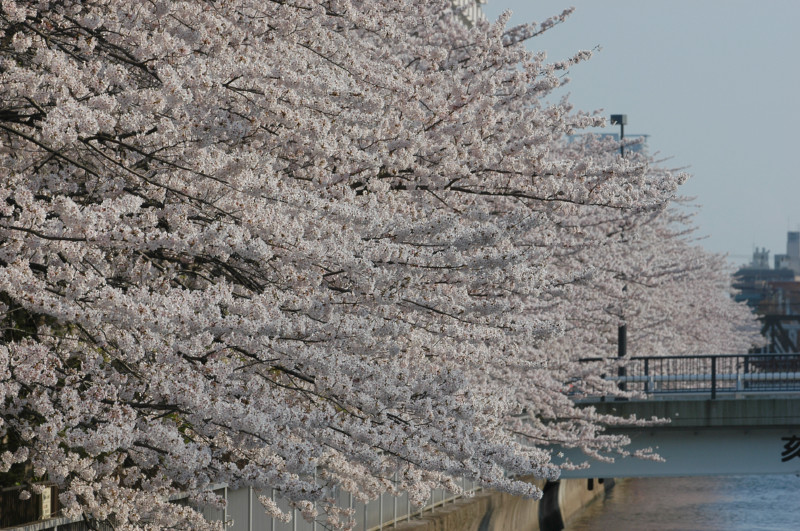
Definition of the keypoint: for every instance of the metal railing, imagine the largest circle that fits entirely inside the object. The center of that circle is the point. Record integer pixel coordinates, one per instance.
(244, 512)
(707, 374)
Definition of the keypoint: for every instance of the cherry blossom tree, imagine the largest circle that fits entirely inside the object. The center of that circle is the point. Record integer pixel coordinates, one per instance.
(253, 242)
(651, 275)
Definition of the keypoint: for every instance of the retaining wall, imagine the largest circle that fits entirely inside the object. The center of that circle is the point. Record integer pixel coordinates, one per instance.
(485, 511)
(496, 511)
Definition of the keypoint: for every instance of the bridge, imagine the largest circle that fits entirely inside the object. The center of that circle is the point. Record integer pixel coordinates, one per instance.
(728, 414)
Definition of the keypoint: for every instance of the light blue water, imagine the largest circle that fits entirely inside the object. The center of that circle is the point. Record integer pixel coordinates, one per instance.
(746, 503)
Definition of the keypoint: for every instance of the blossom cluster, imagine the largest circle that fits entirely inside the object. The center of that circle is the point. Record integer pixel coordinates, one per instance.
(298, 245)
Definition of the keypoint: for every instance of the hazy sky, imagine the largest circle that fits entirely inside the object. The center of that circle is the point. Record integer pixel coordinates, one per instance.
(716, 86)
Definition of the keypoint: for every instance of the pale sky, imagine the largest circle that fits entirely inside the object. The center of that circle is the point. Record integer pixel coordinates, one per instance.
(715, 83)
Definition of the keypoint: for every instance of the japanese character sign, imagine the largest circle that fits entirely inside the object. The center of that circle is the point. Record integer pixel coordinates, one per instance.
(791, 448)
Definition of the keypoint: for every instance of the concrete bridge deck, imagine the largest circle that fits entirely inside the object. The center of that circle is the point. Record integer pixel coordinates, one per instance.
(752, 435)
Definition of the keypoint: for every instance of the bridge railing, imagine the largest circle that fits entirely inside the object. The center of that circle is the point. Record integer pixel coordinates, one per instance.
(712, 374)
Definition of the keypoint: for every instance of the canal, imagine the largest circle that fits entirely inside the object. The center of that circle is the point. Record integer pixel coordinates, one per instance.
(697, 503)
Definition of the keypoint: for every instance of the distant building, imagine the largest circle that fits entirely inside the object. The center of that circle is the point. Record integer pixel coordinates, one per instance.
(761, 259)
(757, 281)
(774, 294)
(636, 143)
(790, 260)
(471, 10)
(755, 284)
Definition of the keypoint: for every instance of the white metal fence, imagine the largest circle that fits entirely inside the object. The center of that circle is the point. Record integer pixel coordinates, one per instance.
(244, 512)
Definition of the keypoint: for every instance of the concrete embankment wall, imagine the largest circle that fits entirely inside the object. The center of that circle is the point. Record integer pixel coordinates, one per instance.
(497, 511)
(575, 494)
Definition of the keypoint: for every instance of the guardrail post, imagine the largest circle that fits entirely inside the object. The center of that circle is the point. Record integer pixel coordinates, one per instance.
(713, 377)
(646, 375)
(746, 371)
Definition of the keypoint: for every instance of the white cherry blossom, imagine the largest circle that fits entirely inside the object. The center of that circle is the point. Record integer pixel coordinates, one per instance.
(248, 241)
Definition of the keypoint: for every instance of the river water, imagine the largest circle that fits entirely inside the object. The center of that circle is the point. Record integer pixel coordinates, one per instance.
(745, 503)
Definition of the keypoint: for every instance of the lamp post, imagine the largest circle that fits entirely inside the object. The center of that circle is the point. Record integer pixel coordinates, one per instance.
(622, 331)
(621, 120)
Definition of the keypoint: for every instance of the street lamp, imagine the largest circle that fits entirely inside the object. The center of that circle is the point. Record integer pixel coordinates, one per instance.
(622, 331)
(621, 120)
